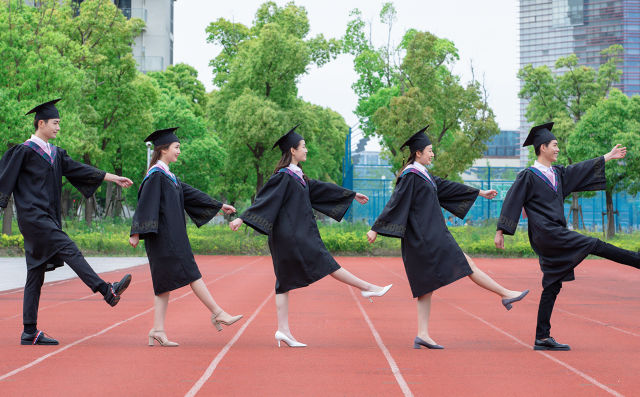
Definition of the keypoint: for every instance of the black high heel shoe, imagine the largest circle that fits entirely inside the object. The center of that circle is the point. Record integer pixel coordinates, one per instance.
(417, 342)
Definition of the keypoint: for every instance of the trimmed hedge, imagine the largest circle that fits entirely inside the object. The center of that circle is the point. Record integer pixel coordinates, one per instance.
(112, 238)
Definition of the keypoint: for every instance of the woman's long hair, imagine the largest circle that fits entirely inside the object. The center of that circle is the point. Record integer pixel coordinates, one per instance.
(284, 162)
(157, 153)
(410, 160)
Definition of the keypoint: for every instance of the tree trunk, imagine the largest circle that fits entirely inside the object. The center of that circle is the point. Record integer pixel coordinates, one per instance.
(7, 217)
(109, 202)
(88, 210)
(259, 179)
(117, 204)
(575, 212)
(611, 225)
(66, 203)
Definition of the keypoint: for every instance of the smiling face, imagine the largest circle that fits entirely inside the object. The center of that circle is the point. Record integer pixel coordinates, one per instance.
(48, 129)
(550, 151)
(425, 156)
(299, 154)
(171, 154)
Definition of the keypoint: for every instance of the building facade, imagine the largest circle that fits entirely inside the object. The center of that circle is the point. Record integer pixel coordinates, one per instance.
(550, 29)
(153, 48)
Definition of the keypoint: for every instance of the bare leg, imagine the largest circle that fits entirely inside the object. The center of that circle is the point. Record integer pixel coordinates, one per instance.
(202, 292)
(424, 311)
(482, 279)
(346, 277)
(160, 304)
(282, 309)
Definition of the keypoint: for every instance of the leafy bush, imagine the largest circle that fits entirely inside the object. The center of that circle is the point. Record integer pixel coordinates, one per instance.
(112, 238)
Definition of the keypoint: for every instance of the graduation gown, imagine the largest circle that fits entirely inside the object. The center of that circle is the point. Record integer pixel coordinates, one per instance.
(283, 210)
(431, 256)
(159, 220)
(35, 179)
(560, 250)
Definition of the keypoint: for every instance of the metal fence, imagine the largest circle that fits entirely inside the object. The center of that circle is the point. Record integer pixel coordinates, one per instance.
(378, 180)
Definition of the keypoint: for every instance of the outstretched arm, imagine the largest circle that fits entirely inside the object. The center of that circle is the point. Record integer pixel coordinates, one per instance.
(117, 179)
(616, 153)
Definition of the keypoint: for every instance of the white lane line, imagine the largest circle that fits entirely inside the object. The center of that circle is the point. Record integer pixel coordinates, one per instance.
(547, 355)
(214, 364)
(392, 363)
(598, 322)
(109, 328)
(543, 353)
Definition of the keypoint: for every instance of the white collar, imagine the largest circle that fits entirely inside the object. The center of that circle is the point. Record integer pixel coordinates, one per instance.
(39, 141)
(294, 167)
(542, 167)
(164, 166)
(420, 167)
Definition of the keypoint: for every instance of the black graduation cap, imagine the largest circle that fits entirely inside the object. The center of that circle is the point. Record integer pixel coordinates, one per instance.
(46, 110)
(539, 134)
(163, 137)
(288, 140)
(418, 141)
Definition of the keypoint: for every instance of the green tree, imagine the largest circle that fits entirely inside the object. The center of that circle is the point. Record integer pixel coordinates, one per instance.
(565, 95)
(612, 120)
(401, 89)
(257, 73)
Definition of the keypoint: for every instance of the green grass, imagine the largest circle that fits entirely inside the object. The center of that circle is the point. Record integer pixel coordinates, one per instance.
(112, 238)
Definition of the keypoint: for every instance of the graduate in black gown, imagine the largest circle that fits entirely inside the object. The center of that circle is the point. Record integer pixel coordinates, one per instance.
(541, 190)
(432, 258)
(283, 210)
(33, 172)
(159, 220)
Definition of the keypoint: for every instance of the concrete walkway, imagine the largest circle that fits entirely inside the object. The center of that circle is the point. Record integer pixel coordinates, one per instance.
(14, 269)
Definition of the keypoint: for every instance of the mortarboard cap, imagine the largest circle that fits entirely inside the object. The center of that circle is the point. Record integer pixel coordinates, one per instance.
(163, 137)
(539, 134)
(288, 140)
(418, 141)
(46, 110)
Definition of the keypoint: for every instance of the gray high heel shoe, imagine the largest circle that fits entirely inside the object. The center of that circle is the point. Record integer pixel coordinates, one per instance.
(417, 342)
(508, 302)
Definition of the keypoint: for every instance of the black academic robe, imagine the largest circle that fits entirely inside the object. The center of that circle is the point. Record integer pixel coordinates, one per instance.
(159, 220)
(35, 179)
(432, 258)
(560, 250)
(283, 210)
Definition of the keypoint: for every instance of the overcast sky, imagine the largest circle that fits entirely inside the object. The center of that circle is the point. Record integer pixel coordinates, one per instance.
(485, 33)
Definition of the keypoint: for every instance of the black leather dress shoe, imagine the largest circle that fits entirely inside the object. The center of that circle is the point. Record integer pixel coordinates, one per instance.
(417, 342)
(116, 289)
(37, 338)
(549, 344)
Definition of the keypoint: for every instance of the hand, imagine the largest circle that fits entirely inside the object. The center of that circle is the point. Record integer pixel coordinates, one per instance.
(371, 236)
(499, 240)
(361, 198)
(119, 180)
(488, 194)
(616, 153)
(134, 240)
(228, 209)
(235, 224)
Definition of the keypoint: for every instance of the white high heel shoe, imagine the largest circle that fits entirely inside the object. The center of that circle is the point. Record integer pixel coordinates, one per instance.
(290, 342)
(369, 294)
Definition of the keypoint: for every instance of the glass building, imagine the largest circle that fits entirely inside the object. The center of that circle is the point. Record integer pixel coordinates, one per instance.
(550, 29)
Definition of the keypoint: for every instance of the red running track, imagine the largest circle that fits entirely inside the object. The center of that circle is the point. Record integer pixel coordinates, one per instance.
(355, 348)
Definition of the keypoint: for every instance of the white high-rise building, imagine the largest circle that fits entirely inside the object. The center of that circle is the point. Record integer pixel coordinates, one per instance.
(153, 48)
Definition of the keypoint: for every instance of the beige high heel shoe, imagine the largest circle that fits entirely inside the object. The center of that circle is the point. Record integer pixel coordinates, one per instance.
(163, 342)
(218, 323)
